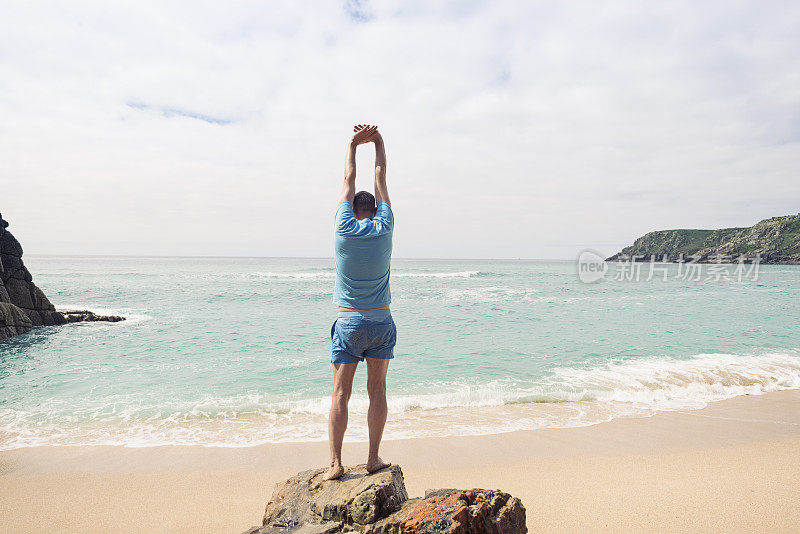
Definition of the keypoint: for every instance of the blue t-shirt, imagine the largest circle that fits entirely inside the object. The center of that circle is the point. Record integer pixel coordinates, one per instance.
(363, 252)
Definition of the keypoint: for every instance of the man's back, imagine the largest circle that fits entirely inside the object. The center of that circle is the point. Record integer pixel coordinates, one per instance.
(363, 251)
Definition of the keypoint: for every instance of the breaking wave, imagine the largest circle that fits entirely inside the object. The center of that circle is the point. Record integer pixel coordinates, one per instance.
(568, 396)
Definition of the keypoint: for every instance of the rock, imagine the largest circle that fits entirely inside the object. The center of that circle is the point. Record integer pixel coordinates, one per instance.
(17, 289)
(18, 283)
(378, 503)
(20, 292)
(474, 511)
(77, 316)
(13, 321)
(357, 497)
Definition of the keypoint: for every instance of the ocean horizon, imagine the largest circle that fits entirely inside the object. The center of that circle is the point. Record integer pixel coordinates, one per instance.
(235, 351)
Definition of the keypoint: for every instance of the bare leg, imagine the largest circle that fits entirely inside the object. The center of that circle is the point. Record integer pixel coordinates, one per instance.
(337, 420)
(376, 416)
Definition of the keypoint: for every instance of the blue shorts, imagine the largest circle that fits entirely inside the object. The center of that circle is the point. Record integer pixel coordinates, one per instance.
(359, 334)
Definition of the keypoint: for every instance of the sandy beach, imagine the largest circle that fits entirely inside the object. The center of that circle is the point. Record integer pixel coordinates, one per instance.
(733, 466)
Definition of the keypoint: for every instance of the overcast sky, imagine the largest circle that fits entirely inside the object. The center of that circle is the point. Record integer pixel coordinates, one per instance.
(512, 129)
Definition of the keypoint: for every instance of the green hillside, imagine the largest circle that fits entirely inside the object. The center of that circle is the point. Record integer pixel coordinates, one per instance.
(775, 240)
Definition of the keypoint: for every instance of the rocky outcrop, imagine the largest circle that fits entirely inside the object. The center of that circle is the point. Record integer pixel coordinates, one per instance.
(13, 320)
(18, 283)
(772, 241)
(22, 304)
(78, 316)
(377, 503)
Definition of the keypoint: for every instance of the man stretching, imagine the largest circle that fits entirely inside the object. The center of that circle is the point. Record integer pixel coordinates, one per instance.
(364, 327)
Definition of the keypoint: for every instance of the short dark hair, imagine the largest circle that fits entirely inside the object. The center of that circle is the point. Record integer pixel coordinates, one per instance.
(363, 202)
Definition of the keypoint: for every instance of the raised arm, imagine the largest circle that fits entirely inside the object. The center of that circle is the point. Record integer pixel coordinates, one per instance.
(381, 192)
(362, 134)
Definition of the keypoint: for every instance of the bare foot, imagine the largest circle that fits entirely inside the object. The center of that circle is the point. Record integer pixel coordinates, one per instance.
(334, 472)
(376, 464)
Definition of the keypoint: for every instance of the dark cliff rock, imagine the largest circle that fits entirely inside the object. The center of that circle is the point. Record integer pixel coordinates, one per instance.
(772, 241)
(22, 304)
(19, 286)
(377, 503)
(13, 321)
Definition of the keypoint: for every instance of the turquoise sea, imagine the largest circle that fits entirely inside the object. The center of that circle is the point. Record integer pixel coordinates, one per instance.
(236, 351)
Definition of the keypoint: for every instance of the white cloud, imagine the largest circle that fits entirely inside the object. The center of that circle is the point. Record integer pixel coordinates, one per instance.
(513, 129)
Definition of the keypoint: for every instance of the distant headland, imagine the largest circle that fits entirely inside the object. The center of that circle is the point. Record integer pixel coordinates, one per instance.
(771, 241)
(22, 304)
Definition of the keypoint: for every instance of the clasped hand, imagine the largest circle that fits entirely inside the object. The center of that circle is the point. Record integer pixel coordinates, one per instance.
(365, 133)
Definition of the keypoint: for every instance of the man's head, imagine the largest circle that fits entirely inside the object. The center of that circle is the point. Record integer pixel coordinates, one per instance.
(364, 205)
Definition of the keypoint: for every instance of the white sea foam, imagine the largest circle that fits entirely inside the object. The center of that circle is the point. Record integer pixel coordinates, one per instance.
(670, 384)
(458, 274)
(569, 396)
(300, 275)
(329, 275)
(657, 384)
